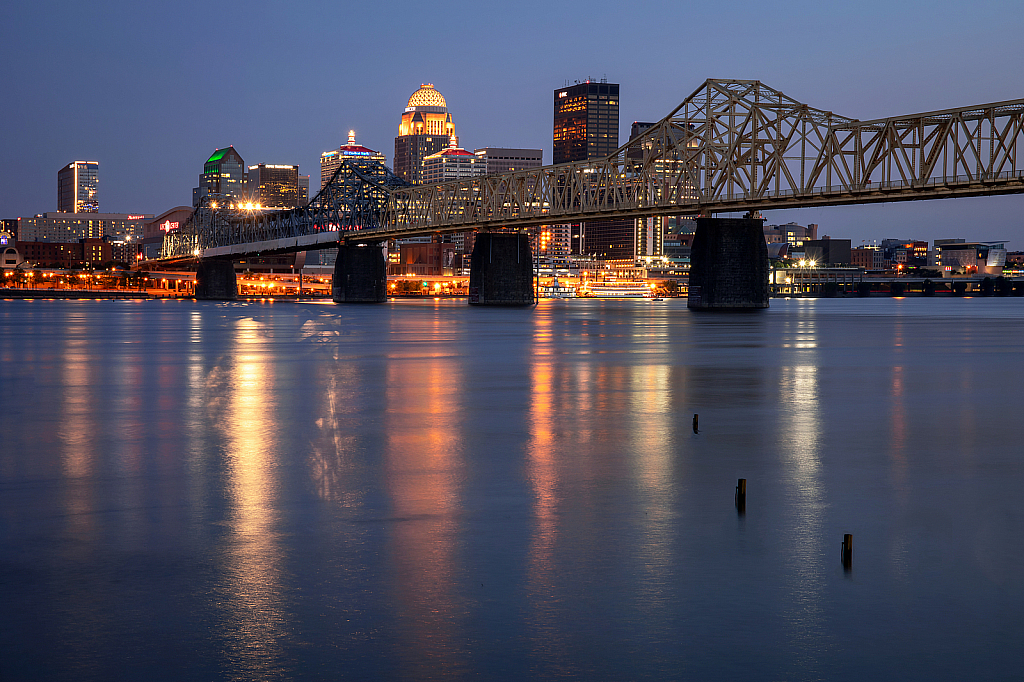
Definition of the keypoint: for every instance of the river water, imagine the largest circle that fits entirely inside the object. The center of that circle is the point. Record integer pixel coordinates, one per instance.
(423, 490)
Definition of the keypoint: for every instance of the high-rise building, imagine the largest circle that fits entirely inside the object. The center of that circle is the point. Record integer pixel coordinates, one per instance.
(273, 186)
(78, 187)
(303, 190)
(586, 121)
(223, 177)
(426, 129)
(72, 227)
(505, 160)
(329, 161)
(586, 126)
(453, 163)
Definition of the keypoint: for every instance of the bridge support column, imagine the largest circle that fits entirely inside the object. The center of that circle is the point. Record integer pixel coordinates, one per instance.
(501, 270)
(728, 265)
(360, 274)
(215, 280)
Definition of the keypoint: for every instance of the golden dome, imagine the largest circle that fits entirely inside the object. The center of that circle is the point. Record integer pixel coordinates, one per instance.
(427, 96)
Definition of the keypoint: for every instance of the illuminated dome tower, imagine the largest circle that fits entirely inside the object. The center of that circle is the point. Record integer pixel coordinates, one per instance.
(426, 129)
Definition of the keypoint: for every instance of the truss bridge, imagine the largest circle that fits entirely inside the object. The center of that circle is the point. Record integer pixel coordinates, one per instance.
(732, 145)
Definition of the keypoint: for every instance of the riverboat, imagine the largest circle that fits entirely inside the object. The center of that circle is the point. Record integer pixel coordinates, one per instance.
(556, 290)
(613, 288)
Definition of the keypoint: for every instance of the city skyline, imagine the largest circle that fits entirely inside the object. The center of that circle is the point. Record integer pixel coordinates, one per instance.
(150, 129)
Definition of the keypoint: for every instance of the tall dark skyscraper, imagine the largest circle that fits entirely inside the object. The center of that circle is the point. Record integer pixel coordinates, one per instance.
(586, 121)
(586, 126)
(78, 187)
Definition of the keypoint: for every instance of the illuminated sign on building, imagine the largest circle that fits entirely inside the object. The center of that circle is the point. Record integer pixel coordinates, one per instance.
(136, 217)
(167, 226)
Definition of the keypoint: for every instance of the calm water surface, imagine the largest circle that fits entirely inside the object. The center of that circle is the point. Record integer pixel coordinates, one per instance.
(420, 490)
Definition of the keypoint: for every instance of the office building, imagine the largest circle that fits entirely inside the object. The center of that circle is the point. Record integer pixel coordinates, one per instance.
(970, 258)
(330, 161)
(868, 257)
(223, 177)
(72, 227)
(426, 129)
(790, 233)
(303, 190)
(453, 163)
(827, 251)
(78, 187)
(272, 186)
(506, 160)
(586, 121)
(586, 127)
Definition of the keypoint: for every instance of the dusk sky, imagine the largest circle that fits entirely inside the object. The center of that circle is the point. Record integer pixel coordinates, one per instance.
(150, 90)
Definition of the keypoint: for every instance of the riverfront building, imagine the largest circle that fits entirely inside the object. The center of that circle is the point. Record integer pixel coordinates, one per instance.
(78, 187)
(970, 258)
(426, 129)
(72, 227)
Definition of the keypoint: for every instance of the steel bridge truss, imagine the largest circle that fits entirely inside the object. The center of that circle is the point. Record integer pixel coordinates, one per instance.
(732, 145)
(738, 146)
(354, 200)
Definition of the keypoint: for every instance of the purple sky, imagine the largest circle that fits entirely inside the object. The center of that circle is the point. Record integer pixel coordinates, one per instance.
(150, 89)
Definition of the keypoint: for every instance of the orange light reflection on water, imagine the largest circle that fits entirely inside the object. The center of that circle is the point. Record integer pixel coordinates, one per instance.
(424, 468)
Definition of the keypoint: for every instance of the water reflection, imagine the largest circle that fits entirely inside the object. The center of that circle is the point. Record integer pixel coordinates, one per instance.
(78, 430)
(255, 620)
(424, 471)
(807, 551)
(542, 476)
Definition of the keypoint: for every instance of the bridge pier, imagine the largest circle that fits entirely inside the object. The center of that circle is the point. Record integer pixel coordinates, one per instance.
(215, 280)
(501, 270)
(728, 265)
(360, 274)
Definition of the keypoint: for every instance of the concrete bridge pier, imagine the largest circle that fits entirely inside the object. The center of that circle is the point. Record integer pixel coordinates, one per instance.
(501, 270)
(215, 280)
(360, 274)
(728, 265)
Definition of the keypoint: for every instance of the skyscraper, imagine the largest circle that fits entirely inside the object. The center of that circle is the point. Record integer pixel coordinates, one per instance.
(223, 176)
(329, 161)
(273, 185)
(586, 126)
(586, 121)
(452, 163)
(78, 187)
(426, 129)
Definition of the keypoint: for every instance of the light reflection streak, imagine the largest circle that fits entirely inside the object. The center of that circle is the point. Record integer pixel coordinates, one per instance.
(424, 466)
(543, 477)
(801, 449)
(256, 622)
(333, 451)
(77, 430)
(652, 445)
